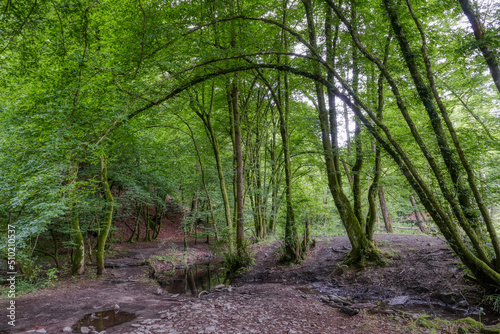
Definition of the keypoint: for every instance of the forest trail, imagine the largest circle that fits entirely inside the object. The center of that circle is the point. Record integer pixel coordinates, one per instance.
(422, 276)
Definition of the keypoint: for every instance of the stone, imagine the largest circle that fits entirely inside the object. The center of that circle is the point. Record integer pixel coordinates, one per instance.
(336, 299)
(67, 330)
(41, 331)
(400, 300)
(85, 330)
(349, 311)
(448, 297)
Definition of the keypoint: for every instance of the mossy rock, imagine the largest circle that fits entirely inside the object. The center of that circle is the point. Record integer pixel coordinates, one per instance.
(490, 330)
(425, 323)
(470, 322)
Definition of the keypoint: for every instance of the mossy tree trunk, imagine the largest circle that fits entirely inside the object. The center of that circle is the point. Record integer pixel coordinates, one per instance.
(363, 249)
(107, 219)
(239, 186)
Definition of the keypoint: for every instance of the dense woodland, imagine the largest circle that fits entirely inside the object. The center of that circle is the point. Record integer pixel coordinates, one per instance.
(251, 119)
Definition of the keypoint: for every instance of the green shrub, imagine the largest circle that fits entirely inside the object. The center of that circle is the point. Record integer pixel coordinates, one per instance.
(238, 261)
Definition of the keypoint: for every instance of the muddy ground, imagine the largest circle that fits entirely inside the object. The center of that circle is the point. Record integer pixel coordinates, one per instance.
(422, 276)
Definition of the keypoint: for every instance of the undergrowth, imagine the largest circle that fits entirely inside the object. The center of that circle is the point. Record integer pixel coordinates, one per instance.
(238, 261)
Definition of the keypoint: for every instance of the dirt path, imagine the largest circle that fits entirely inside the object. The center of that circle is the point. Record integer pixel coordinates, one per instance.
(422, 275)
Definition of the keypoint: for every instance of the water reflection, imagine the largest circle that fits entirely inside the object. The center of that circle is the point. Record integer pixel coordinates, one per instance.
(103, 320)
(193, 279)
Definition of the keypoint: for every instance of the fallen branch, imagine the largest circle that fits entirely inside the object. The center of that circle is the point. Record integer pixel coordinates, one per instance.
(406, 228)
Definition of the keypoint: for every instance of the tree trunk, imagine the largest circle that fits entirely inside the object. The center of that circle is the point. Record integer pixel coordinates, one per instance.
(108, 217)
(488, 52)
(273, 182)
(239, 191)
(418, 216)
(136, 227)
(385, 211)
(78, 250)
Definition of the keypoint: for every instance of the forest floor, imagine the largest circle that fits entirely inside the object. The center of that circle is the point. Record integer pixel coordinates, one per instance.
(422, 277)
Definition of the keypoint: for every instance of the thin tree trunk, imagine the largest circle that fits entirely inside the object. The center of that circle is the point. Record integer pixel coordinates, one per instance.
(418, 215)
(374, 187)
(293, 247)
(78, 249)
(240, 204)
(108, 217)
(385, 211)
(486, 49)
(358, 143)
(136, 227)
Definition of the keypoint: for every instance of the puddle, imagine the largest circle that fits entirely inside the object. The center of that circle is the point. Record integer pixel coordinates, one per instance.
(103, 320)
(193, 279)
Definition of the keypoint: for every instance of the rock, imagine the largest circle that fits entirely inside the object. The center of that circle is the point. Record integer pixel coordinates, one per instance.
(324, 299)
(400, 300)
(210, 329)
(349, 311)
(92, 330)
(85, 330)
(336, 299)
(220, 287)
(463, 303)
(67, 330)
(116, 307)
(159, 291)
(41, 331)
(448, 297)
